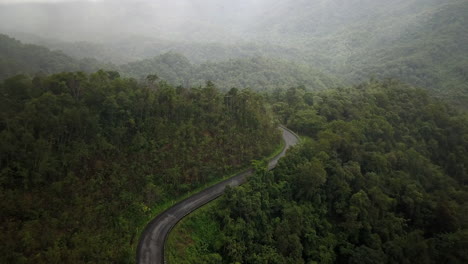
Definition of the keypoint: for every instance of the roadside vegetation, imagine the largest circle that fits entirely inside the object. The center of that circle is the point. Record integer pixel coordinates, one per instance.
(87, 160)
(381, 179)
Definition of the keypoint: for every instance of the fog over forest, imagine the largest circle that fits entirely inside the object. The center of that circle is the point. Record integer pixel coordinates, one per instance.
(81, 20)
(113, 114)
(352, 40)
(201, 20)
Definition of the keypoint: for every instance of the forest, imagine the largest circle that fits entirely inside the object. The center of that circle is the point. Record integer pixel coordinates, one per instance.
(86, 158)
(421, 42)
(112, 112)
(257, 73)
(379, 178)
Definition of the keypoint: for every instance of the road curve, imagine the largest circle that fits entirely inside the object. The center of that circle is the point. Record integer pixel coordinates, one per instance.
(151, 245)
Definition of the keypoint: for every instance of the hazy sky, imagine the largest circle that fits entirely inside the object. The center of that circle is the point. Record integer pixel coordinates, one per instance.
(56, 1)
(40, 1)
(187, 20)
(81, 19)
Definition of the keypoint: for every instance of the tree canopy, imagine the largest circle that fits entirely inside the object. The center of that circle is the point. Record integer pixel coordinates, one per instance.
(87, 158)
(380, 178)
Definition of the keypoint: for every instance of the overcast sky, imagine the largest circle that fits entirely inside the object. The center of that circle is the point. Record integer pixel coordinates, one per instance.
(39, 1)
(57, 1)
(81, 19)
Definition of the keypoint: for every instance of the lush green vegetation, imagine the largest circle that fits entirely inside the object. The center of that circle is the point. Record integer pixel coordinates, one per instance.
(200, 229)
(89, 157)
(85, 158)
(381, 179)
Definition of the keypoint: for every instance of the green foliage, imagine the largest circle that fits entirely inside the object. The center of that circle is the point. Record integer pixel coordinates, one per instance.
(376, 183)
(86, 157)
(194, 240)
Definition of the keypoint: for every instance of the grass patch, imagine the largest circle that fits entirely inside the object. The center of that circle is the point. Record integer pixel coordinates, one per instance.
(194, 238)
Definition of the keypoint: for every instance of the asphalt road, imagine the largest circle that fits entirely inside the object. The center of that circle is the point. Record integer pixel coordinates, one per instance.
(151, 246)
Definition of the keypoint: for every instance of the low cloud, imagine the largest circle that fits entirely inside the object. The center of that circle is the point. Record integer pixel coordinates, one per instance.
(41, 1)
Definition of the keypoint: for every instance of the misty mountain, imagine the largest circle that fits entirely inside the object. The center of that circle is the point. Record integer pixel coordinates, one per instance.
(19, 58)
(135, 48)
(91, 20)
(112, 111)
(258, 73)
(432, 54)
(422, 42)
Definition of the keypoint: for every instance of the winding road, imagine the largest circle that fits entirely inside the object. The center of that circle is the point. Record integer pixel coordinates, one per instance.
(151, 246)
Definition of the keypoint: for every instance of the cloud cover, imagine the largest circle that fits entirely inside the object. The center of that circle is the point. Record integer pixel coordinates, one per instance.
(41, 1)
(84, 19)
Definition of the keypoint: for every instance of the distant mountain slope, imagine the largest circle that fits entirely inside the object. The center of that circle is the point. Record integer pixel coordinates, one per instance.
(264, 74)
(433, 54)
(322, 18)
(128, 49)
(422, 42)
(19, 58)
(170, 67)
(258, 73)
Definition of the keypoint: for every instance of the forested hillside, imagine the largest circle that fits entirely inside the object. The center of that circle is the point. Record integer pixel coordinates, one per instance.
(257, 73)
(19, 58)
(118, 109)
(135, 48)
(418, 41)
(431, 53)
(380, 178)
(86, 158)
(421, 42)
